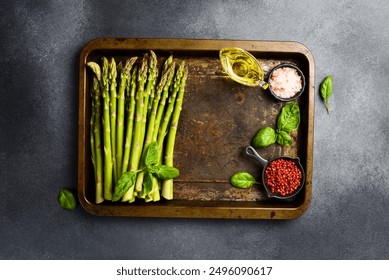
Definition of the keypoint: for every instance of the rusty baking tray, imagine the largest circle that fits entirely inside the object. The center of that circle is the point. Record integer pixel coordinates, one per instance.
(218, 120)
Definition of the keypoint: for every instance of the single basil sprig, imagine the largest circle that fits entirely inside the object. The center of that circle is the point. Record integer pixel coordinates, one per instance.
(67, 199)
(242, 180)
(326, 91)
(127, 179)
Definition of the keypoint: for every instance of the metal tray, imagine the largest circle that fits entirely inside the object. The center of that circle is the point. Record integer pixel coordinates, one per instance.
(218, 120)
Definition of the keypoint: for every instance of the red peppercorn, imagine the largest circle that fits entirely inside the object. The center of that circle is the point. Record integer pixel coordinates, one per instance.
(282, 176)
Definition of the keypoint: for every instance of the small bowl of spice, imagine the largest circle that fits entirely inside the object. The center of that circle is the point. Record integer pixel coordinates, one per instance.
(282, 177)
(286, 82)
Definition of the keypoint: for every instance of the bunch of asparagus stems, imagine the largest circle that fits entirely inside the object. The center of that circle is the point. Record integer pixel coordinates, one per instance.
(134, 108)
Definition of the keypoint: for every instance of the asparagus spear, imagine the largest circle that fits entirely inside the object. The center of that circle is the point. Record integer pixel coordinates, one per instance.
(98, 157)
(130, 89)
(167, 185)
(137, 142)
(169, 110)
(162, 102)
(167, 64)
(112, 74)
(106, 131)
(151, 81)
(124, 76)
(165, 68)
(95, 129)
(91, 125)
(96, 69)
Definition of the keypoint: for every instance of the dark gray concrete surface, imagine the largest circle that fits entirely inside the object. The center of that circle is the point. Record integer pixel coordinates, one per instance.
(40, 44)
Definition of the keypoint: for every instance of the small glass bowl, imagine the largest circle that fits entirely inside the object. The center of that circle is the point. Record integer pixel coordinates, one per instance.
(298, 94)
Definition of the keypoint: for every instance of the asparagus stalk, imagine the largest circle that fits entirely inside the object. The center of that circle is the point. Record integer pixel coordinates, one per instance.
(124, 76)
(162, 102)
(91, 125)
(95, 129)
(130, 89)
(137, 142)
(92, 137)
(169, 110)
(140, 98)
(112, 75)
(167, 64)
(149, 97)
(151, 81)
(167, 185)
(98, 157)
(106, 131)
(96, 69)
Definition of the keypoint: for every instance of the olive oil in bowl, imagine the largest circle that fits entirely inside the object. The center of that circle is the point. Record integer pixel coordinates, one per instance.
(242, 67)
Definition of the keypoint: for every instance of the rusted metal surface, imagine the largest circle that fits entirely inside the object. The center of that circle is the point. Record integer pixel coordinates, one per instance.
(219, 118)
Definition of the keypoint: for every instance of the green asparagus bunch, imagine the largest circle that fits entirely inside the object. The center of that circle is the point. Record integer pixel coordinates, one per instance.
(133, 125)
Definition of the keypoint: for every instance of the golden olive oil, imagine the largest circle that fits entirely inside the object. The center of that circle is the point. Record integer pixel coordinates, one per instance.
(242, 67)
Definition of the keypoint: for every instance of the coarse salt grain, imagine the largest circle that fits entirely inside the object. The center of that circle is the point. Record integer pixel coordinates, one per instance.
(285, 82)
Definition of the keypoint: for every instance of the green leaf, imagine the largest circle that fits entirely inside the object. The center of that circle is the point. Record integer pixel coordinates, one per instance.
(153, 169)
(67, 199)
(326, 90)
(165, 172)
(289, 118)
(152, 154)
(147, 183)
(125, 182)
(284, 139)
(242, 180)
(264, 138)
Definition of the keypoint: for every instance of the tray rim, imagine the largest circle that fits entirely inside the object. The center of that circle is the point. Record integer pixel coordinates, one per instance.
(183, 211)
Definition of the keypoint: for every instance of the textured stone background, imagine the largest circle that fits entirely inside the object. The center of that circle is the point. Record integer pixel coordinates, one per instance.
(40, 44)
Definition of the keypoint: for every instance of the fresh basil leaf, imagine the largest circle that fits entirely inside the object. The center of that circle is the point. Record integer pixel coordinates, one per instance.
(264, 138)
(326, 91)
(125, 182)
(151, 157)
(242, 180)
(66, 199)
(147, 183)
(284, 139)
(165, 172)
(289, 118)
